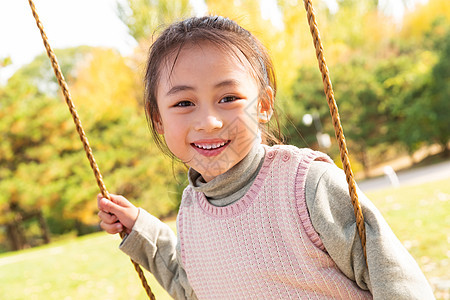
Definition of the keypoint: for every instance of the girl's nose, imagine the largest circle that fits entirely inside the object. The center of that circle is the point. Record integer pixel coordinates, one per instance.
(208, 121)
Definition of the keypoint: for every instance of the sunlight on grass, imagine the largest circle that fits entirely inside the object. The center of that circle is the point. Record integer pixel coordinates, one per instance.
(420, 217)
(89, 267)
(92, 267)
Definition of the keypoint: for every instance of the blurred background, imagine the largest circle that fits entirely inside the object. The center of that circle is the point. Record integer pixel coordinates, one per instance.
(390, 68)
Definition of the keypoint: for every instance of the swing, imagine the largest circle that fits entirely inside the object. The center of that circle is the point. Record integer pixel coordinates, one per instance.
(328, 89)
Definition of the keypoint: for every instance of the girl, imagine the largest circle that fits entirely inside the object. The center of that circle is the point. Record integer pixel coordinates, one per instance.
(255, 221)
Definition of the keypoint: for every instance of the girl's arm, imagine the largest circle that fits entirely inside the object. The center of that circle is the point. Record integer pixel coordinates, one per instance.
(149, 242)
(392, 272)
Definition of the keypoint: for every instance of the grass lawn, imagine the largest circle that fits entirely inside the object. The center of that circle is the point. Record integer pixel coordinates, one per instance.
(91, 267)
(420, 217)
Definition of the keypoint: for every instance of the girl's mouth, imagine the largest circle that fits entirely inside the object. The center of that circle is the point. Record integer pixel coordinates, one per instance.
(209, 148)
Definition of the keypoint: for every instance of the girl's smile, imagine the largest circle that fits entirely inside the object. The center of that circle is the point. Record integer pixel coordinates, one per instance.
(210, 148)
(208, 101)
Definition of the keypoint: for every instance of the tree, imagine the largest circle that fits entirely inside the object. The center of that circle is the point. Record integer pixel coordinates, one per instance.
(143, 17)
(40, 73)
(106, 81)
(308, 99)
(30, 127)
(418, 85)
(43, 167)
(440, 95)
(5, 61)
(422, 23)
(426, 105)
(361, 107)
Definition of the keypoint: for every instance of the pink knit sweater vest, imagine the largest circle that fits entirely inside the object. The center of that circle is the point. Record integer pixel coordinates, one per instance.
(263, 246)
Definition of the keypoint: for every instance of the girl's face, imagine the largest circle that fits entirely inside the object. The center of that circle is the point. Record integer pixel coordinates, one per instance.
(208, 106)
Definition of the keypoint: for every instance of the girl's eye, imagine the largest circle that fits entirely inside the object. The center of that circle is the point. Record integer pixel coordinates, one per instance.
(183, 104)
(228, 99)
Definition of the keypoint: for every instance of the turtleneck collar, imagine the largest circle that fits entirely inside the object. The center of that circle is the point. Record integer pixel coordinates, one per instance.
(234, 183)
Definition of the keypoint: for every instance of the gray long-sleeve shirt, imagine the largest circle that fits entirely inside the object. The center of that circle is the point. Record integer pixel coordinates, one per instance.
(392, 272)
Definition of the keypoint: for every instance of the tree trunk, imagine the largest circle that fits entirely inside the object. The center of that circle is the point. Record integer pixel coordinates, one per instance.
(365, 162)
(446, 152)
(44, 228)
(16, 236)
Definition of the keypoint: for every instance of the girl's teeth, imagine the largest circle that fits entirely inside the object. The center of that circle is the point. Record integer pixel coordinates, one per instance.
(210, 146)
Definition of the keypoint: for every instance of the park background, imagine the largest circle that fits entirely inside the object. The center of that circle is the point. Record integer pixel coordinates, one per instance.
(391, 75)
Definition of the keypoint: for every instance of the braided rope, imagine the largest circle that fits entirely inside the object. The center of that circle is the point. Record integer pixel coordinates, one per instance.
(328, 89)
(65, 90)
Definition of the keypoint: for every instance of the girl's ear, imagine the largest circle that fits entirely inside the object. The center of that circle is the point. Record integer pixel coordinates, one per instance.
(265, 105)
(157, 124)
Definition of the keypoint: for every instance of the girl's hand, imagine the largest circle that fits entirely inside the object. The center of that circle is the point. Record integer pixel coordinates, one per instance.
(116, 215)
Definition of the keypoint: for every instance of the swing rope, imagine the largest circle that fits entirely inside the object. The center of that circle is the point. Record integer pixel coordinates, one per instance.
(328, 89)
(65, 90)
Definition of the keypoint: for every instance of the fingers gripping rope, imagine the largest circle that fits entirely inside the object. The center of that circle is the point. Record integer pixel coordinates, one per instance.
(328, 89)
(65, 90)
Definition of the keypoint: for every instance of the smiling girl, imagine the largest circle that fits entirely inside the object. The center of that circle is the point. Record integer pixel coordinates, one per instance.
(255, 222)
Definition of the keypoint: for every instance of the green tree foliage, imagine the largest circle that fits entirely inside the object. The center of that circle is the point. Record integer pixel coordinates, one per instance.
(361, 107)
(142, 17)
(424, 24)
(105, 82)
(424, 108)
(402, 79)
(40, 73)
(440, 94)
(42, 163)
(5, 61)
(308, 98)
(34, 131)
(385, 82)
(416, 79)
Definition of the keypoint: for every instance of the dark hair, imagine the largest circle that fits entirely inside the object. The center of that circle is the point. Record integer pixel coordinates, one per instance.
(224, 33)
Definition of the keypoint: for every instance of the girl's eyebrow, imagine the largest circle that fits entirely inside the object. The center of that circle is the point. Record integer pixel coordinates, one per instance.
(178, 88)
(228, 82)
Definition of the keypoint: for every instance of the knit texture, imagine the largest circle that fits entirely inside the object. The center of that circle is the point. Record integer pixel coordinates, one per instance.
(263, 245)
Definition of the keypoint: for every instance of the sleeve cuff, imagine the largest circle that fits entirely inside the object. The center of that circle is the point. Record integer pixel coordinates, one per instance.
(146, 227)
